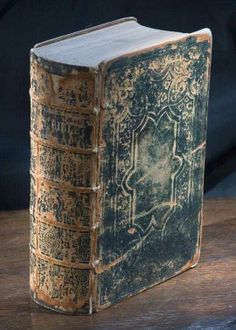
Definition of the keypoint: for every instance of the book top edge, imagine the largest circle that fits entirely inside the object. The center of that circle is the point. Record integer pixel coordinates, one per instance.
(85, 31)
(91, 47)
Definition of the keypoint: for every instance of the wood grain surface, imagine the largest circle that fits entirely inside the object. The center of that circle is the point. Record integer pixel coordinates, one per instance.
(201, 298)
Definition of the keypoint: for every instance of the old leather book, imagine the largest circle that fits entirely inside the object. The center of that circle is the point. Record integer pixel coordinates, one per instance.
(118, 133)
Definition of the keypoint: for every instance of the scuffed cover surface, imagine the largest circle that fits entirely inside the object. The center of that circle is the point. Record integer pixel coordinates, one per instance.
(154, 132)
(63, 174)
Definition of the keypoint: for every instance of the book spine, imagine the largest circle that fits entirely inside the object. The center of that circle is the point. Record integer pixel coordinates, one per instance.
(64, 185)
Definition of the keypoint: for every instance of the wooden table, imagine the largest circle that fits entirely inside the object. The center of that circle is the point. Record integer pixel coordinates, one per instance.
(201, 298)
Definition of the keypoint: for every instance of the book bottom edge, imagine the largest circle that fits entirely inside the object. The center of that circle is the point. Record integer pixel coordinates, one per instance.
(188, 266)
(99, 307)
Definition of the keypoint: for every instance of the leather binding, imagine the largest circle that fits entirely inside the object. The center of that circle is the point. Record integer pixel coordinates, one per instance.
(117, 169)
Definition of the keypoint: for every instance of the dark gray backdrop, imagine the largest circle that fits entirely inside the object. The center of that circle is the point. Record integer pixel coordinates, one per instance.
(26, 22)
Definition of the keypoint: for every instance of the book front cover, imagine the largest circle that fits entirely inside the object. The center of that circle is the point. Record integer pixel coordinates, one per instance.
(152, 166)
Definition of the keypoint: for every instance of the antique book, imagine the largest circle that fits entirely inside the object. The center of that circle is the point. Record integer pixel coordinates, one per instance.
(118, 136)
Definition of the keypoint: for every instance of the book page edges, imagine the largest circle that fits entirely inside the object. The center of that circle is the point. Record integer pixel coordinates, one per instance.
(84, 31)
(203, 34)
